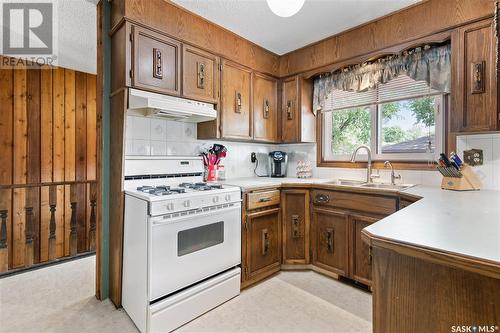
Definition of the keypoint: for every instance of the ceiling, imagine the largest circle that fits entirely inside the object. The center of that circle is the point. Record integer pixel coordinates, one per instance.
(253, 20)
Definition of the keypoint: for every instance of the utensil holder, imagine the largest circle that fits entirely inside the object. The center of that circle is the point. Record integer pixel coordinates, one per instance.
(459, 180)
(211, 173)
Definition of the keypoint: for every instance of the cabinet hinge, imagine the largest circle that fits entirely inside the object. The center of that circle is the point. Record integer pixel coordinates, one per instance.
(220, 67)
(131, 73)
(131, 36)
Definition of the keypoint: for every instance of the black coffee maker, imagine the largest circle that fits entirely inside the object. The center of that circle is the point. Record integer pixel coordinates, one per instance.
(278, 162)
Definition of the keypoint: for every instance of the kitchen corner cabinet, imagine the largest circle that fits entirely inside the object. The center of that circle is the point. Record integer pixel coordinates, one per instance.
(361, 258)
(265, 108)
(261, 236)
(474, 81)
(156, 62)
(330, 240)
(298, 123)
(236, 109)
(296, 226)
(200, 74)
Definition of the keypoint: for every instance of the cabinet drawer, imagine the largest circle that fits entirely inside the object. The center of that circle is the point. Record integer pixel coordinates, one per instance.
(370, 203)
(263, 199)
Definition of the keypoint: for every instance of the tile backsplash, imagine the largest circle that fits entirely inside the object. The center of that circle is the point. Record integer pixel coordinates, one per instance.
(150, 136)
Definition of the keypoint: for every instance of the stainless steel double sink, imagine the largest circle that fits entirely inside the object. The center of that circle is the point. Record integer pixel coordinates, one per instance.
(362, 184)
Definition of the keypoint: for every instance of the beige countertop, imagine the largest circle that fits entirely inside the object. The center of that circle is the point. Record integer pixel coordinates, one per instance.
(465, 223)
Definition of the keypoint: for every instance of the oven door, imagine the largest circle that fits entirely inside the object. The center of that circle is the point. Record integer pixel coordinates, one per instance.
(187, 249)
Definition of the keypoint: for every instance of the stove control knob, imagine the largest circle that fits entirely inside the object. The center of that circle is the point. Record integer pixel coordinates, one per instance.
(228, 197)
(215, 199)
(187, 203)
(170, 206)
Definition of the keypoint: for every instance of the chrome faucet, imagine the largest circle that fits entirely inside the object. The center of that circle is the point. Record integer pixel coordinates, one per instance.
(393, 175)
(369, 176)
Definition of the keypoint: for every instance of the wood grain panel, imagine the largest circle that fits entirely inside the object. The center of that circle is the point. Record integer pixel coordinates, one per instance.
(18, 224)
(81, 126)
(20, 126)
(59, 124)
(69, 121)
(67, 219)
(34, 117)
(423, 19)
(6, 118)
(91, 128)
(5, 226)
(44, 223)
(405, 287)
(46, 124)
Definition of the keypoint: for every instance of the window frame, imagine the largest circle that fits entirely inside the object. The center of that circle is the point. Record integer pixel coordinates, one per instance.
(407, 161)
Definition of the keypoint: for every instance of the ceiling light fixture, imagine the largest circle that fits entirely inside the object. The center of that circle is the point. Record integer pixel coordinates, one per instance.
(285, 8)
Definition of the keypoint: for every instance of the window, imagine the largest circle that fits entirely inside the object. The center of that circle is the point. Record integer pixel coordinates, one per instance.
(399, 120)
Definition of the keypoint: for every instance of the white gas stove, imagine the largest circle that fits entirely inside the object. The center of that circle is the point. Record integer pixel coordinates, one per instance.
(182, 242)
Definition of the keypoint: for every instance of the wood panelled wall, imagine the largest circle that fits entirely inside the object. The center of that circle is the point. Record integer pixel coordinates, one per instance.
(422, 19)
(48, 127)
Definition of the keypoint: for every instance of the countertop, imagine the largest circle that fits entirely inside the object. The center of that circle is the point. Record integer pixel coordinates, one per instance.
(465, 223)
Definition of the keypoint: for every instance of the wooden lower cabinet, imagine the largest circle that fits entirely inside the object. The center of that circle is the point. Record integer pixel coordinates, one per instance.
(296, 224)
(361, 257)
(263, 243)
(329, 237)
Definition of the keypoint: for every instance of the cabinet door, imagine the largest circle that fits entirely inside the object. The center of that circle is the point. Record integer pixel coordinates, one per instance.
(265, 108)
(156, 62)
(199, 74)
(236, 109)
(361, 260)
(295, 205)
(330, 240)
(474, 85)
(263, 243)
(290, 115)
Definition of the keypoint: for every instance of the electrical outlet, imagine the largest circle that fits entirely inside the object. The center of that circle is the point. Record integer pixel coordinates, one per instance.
(253, 157)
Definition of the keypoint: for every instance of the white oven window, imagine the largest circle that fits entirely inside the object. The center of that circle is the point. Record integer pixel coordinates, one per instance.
(199, 238)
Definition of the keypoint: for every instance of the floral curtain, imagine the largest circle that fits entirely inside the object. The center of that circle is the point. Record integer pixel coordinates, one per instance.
(430, 64)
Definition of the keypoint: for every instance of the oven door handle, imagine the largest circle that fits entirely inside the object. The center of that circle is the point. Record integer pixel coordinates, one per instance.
(158, 220)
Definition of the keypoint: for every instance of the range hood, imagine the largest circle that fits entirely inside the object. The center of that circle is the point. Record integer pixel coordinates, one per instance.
(174, 108)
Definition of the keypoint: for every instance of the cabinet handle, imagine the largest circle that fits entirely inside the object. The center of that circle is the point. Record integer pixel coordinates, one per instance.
(478, 70)
(201, 75)
(321, 198)
(266, 109)
(264, 199)
(295, 226)
(237, 108)
(329, 239)
(157, 64)
(265, 242)
(370, 257)
(289, 112)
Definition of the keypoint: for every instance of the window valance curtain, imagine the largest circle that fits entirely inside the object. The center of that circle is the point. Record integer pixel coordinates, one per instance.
(432, 65)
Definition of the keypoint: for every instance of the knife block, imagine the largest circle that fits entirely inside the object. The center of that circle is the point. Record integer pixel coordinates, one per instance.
(468, 182)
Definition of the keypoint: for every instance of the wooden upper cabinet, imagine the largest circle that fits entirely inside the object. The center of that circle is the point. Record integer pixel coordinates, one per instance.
(474, 81)
(298, 123)
(263, 242)
(265, 108)
(296, 224)
(290, 130)
(330, 231)
(199, 74)
(155, 62)
(236, 109)
(361, 258)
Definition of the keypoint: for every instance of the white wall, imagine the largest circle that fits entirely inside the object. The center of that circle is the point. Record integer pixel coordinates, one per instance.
(148, 136)
(77, 31)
